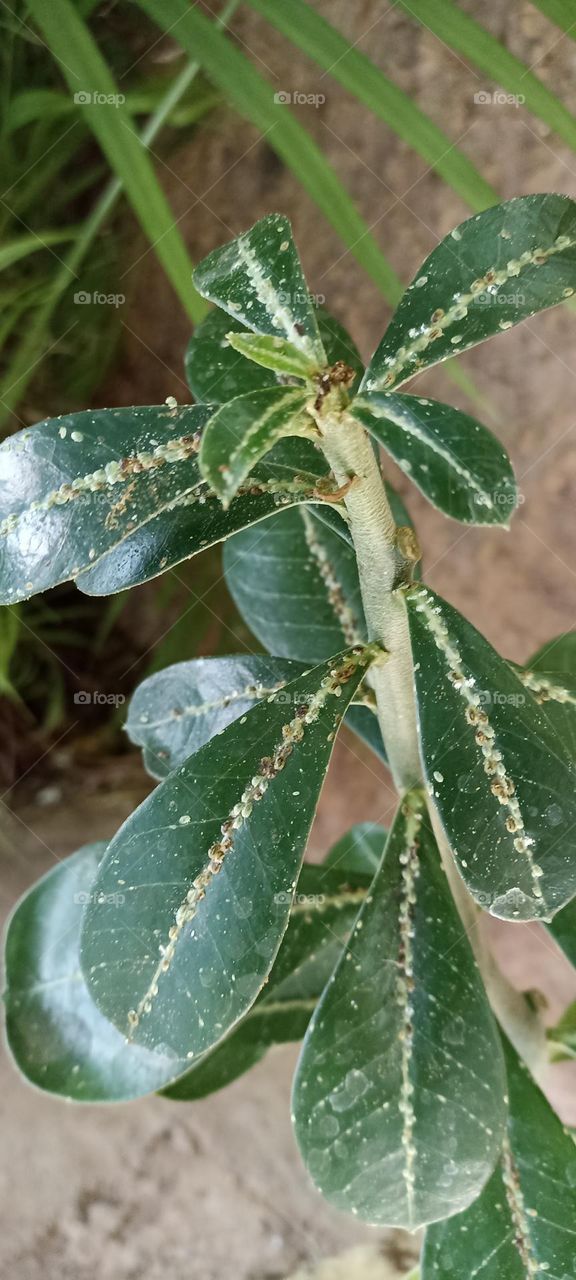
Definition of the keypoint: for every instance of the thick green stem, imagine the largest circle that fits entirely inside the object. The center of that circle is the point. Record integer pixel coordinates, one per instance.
(351, 457)
(350, 454)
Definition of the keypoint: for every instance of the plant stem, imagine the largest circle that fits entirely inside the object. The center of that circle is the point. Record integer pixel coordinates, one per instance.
(350, 455)
(373, 529)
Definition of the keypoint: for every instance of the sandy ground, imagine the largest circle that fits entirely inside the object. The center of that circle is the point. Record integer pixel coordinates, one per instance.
(215, 1191)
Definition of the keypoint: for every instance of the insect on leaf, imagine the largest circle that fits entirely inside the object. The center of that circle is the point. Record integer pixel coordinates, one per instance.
(243, 431)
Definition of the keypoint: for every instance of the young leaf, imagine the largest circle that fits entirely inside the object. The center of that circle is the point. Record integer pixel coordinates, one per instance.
(299, 590)
(399, 1097)
(210, 861)
(243, 431)
(217, 373)
(491, 272)
(522, 1225)
(175, 711)
(502, 779)
(114, 497)
(273, 353)
(56, 1034)
(359, 850)
(325, 908)
(258, 279)
(455, 462)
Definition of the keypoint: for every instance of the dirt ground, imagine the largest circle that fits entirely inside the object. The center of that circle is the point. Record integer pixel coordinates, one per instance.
(215, 1191)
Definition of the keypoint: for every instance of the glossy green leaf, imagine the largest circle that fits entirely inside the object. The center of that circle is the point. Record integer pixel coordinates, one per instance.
(243, 431)
(273, 353)
(74, 487)
(551, 678)
(522, 1225)
(216, 372)
(258, 279)
(325, 907)
(399, 1097)
(502, 778)
(455, 462)
(175, 711)
(360, 850)
(563, 930)
(560, 12)
(298, 588)
(355, 71)
(209, 863)
(114, 497)
(491, 272)
(57, 1036)
(364, 722)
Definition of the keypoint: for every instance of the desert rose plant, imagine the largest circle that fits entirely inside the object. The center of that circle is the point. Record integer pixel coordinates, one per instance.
(171, 959)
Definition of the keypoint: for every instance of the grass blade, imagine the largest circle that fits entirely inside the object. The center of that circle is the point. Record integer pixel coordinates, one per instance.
(253, 98)
(467, 37)
(561, 12)
(325, 45)
(86, 73)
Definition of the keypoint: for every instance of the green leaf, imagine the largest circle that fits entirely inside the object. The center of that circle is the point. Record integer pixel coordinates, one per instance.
(522, 1225)
(551, 678)
(115, 497)
(174, 712)
(74, 487)
(491, 272)
(206, 907)
(258, 279)
(243, 431)
(86, 73)
(562, 1037)
(399, 1097)
(273, 353)
(460, 32)
(359, 850)
(364, 722)
(217, 373)
(298, 588)
(502, 779)
(346, 63)
(455, 462)
(56, 1034)
(325, 907)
